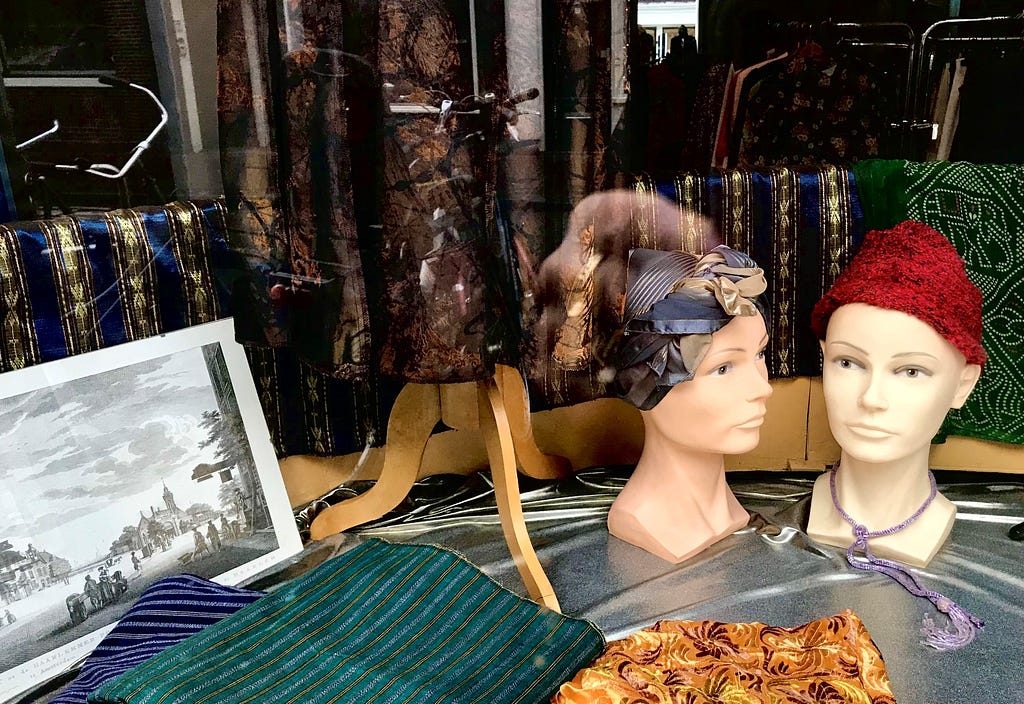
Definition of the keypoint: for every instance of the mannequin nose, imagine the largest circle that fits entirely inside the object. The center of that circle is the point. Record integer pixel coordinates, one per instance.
(760, 387)
(874, 397)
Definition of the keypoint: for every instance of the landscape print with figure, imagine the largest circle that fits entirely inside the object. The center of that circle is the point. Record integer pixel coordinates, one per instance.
(113, 480)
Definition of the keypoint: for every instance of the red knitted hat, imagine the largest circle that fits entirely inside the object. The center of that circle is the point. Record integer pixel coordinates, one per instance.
(915, 270)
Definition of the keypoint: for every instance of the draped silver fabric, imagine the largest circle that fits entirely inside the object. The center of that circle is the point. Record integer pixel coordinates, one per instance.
(769, 572)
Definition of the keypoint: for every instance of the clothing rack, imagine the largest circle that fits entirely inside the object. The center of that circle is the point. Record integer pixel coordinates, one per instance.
(894, 35)
(921, 55)
(984, 31)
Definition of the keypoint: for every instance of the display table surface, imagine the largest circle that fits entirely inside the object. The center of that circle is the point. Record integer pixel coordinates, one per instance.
(769, 572)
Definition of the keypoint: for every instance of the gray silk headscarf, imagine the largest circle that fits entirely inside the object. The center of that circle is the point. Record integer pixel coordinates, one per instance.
(675, 301)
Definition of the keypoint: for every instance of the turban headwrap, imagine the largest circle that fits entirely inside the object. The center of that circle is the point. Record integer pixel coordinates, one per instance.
(675, 301)
(912, 269)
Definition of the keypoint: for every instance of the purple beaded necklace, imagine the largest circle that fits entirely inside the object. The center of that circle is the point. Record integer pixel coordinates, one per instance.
(964, 625)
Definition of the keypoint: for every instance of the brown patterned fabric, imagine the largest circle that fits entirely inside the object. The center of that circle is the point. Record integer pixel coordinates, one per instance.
(582, 89)
(335, 200)
(831, 661)
(288, 173)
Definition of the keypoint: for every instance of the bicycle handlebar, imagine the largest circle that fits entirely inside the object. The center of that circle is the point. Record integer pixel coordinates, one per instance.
(109, 170)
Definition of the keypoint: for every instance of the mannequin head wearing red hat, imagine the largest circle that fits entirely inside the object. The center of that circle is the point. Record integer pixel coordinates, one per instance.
(900, 335)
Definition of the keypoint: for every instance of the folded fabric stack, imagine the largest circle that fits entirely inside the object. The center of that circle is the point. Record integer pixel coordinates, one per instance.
(167, 613)
(381, 623)
(417, 623)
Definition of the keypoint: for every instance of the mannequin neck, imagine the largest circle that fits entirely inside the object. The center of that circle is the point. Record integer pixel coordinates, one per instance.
(881, 495)
(677, 501)
(680, 469)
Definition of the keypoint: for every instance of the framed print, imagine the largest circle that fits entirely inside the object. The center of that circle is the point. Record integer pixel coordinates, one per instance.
(120, 467)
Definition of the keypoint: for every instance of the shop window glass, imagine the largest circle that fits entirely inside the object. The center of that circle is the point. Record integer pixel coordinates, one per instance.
(54, 36)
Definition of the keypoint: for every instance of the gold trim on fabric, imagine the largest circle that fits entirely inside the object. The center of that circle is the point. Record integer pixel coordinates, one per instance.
(836, 239)
(263, 362)
(786, 216)
(136, 280)
(572, 340)
(74, 284)
(20, 347)
(691, 232)
(315, 415)
(737, 197)
(644, 220)
(190, 243)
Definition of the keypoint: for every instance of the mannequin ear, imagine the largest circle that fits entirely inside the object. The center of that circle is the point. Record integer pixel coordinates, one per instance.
(968, 380)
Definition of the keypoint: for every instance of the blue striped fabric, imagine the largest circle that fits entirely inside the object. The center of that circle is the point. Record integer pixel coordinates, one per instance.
(168, 612)
(381, 623)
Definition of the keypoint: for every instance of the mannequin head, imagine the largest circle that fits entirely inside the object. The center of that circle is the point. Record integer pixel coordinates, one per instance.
(889, 380)
(693, 363)
(721, 409)
(900, 333)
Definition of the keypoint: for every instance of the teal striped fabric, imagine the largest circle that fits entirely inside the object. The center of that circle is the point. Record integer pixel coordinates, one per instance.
(381, 623)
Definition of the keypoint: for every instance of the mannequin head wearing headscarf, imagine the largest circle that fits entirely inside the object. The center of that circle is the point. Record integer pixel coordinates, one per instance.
(692, 360)
(675, 302)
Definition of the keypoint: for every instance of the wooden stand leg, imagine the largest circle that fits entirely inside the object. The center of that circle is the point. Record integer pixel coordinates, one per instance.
(498, 439)
(416, 411)
(533, 462)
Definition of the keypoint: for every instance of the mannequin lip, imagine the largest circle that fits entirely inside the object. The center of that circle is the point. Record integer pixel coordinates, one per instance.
(755, 422)
(869, 431)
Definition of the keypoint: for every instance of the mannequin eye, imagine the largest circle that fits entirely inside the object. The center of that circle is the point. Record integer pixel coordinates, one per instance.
(913, 372)
(722, 370)
(848, 363)
(761, 353)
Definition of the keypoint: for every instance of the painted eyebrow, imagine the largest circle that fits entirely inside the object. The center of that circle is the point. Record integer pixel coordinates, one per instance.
(915, 354)
(895, 356)
(741, 350)
(851, 345)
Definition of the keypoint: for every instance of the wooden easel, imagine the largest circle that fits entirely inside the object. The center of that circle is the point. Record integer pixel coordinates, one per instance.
(503, 417)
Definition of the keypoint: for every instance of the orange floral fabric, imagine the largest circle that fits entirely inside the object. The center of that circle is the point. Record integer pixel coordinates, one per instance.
(831, 661)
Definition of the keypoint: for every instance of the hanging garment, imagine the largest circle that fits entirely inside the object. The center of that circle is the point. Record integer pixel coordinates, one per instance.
(666, 127)
(980, 209)
(168, 612)
(699, 142)
(381, 623)
(814, 109)
(582, 93)
(831, 659)
(801, 228)
(734, 110)
(334, 199)
(991, 110)
(951, 116)
(290, 212)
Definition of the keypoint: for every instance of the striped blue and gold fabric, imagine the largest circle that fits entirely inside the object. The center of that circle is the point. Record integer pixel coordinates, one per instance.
(168, 612)
(381, 623)
(75, 284)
